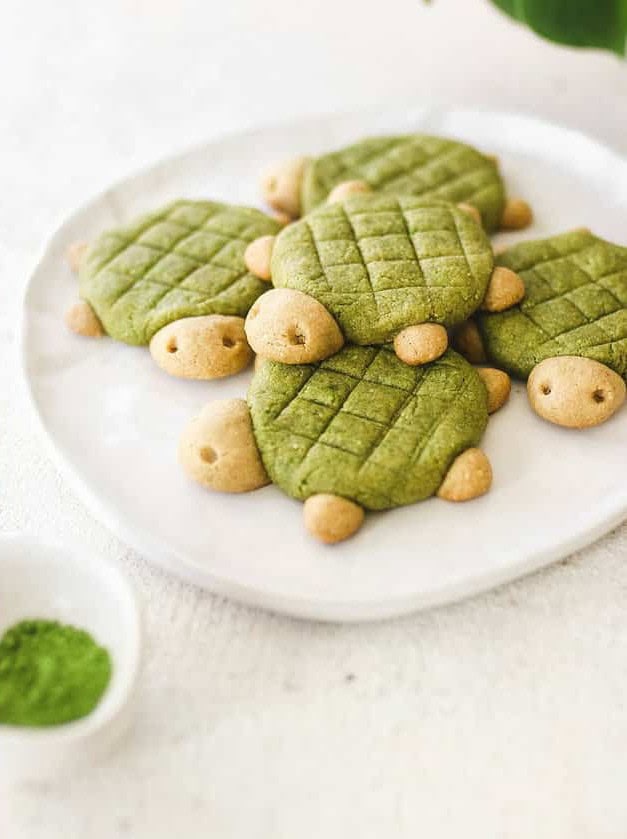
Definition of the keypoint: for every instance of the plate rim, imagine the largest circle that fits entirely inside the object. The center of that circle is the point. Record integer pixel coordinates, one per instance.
(335, 610)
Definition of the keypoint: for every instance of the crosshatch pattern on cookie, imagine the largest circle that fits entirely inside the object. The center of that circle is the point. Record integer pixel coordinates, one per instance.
(380, 263)
(365, 426)
(431, 167)
(575, 304)
(184, 260)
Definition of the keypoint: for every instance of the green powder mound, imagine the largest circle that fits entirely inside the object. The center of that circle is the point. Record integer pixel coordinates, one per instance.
(575, 304)
(365, 426)
(415, 164)
(183, 260)
(50, 673)
(379, 263)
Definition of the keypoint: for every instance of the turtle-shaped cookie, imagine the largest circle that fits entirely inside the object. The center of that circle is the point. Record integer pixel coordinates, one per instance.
(568, 337)
(175, 279)
(411, 164)
(374, 269)
(358, 431)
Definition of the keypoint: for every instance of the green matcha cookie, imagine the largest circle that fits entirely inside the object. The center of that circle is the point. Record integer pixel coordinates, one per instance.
(575, 306)
(374, 269)
(182, 264)
(360, 430)
(413, 164)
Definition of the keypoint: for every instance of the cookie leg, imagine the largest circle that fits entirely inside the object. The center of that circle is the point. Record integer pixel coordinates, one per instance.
(505, 289)
(331, 518)
(468, 342)
(517, 214)
(499, 386)
(258, 257)
(470, 210)
(281, 185)
(575, 392)
(75, 255)
(289, 326)
(347, 189)
(219, 451)
(206, 347)
(81, 319)
(421, 343)
(469, 476)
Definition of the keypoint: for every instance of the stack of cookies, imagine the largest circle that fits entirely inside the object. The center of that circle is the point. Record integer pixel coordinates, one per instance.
(377, 258)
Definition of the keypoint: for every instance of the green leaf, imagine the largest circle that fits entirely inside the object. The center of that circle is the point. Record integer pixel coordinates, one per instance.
(578, 23)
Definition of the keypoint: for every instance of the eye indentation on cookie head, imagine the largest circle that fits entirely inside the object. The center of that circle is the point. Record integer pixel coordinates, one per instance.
(208, 455)
(598, 396)
(172, 345)
(252, 314)
(295, 336)
(545, 388)
(228, 342)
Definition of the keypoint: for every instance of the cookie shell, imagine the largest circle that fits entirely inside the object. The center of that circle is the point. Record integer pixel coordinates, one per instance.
(575, 304)
(410, 164)
(185, 259)
(365, 426)
(380, 264)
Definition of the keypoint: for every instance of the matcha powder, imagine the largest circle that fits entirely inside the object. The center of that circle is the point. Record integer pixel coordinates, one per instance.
(50, 673)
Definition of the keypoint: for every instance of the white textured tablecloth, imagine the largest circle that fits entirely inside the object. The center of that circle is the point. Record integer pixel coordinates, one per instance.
(505, 716)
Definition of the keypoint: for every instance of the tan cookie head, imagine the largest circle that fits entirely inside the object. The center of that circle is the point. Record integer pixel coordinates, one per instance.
(575, 392)
(289, 326)
(205, 347)
(219, 451)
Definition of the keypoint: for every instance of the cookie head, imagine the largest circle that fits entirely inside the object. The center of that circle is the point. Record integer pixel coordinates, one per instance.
(291, 327)
(219, 451)
(206, 347)
(575, 392)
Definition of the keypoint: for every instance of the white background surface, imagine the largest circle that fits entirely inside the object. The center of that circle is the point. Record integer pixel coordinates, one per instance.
(504, 716)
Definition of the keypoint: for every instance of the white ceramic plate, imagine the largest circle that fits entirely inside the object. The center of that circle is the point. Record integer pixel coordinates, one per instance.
(113, 419)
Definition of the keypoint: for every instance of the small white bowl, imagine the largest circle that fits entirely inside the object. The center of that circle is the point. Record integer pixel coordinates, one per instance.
(54, 582)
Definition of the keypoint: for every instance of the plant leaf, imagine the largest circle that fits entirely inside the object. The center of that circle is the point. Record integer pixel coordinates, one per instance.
(578, 23)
